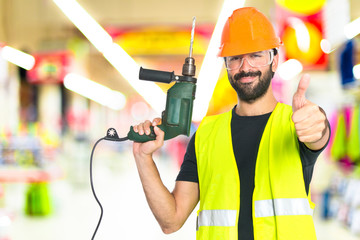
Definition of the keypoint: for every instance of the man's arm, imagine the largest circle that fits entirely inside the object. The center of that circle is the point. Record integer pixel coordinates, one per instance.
(171, 209)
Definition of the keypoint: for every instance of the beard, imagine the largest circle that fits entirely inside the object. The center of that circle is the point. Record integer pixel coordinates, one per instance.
(249, 92)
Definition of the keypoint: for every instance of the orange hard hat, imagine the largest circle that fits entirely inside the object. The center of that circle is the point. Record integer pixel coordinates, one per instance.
(247, 30)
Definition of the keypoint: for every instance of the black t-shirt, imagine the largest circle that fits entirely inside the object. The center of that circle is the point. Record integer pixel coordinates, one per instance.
(246, 134)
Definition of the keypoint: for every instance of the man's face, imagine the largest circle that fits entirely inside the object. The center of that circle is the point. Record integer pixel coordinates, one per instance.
(251, 83)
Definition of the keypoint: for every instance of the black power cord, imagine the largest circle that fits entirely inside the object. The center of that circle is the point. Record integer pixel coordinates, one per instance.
(111, 135)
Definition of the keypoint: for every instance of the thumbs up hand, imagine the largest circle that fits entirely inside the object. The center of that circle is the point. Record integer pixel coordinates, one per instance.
(310, 121)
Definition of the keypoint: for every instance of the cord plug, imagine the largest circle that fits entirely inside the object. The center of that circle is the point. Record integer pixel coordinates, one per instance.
(111, 135)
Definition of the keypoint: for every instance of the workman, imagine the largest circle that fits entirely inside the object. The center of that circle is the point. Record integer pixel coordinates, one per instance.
(250, 167)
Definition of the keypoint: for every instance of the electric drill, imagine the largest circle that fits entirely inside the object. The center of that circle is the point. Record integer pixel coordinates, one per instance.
(176, 119)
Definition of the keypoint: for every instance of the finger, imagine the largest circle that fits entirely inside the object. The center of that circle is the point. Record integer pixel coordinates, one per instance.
(311, 121)
(303, 126)
(303, 85)
(310, 130)
(299, 99)
(147, 125)
(308, 111)
(306, 127)
(159, 135)
(135, 128)
(156, 121)
(310, 138)
(139, 128)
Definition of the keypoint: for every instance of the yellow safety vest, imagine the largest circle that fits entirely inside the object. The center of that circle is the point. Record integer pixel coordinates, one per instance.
(281, 208)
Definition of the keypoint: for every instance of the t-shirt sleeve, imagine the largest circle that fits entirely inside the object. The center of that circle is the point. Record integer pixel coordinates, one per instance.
(308, 160)
(308, 156)
(188, 171)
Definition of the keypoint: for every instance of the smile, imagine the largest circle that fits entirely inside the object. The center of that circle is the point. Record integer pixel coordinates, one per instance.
(247, 79)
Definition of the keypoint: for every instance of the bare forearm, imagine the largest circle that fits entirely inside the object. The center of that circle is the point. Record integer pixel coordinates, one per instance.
(162, 203)
(170, 209)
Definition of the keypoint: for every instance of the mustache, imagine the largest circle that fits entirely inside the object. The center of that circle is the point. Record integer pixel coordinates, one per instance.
(246, 74)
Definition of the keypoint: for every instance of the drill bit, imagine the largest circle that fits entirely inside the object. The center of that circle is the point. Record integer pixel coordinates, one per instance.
(192, 37)
(189, 65)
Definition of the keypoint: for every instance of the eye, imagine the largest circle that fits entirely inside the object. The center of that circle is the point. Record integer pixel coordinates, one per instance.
(231, 59)
(256, 55)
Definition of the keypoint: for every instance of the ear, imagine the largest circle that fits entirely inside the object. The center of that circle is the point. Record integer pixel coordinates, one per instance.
(275, 62)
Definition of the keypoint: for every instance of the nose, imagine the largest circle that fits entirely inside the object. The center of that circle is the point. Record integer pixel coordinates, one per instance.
(245, 66)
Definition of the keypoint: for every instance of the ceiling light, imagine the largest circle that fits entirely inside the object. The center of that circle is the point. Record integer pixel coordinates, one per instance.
(17, 57)
(290, 69)
(325, 46)
(122, 62)
(356, 71)
(85, 23)
(95, 91)
(352, 29)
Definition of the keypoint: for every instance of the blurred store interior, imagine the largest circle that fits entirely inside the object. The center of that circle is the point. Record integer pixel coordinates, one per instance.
(69, 72)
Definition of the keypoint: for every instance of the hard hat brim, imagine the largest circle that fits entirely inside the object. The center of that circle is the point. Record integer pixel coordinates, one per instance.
(233, 49)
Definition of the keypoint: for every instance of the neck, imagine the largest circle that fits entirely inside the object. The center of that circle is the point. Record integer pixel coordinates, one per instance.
(260, 106)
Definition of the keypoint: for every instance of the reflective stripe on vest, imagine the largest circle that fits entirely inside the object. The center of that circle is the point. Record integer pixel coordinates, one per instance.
(283, 206)
(223, 218)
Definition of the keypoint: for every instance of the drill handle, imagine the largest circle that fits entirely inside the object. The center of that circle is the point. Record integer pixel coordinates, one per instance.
(136, 137)
(156, 76)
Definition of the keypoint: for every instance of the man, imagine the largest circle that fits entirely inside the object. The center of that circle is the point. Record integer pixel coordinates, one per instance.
(250, 167)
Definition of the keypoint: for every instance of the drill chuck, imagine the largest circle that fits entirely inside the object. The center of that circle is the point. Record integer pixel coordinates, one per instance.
(189, 67)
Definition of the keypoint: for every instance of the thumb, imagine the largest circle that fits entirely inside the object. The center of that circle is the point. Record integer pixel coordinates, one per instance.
(303, 85)
(299, 99)
(160, 134)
